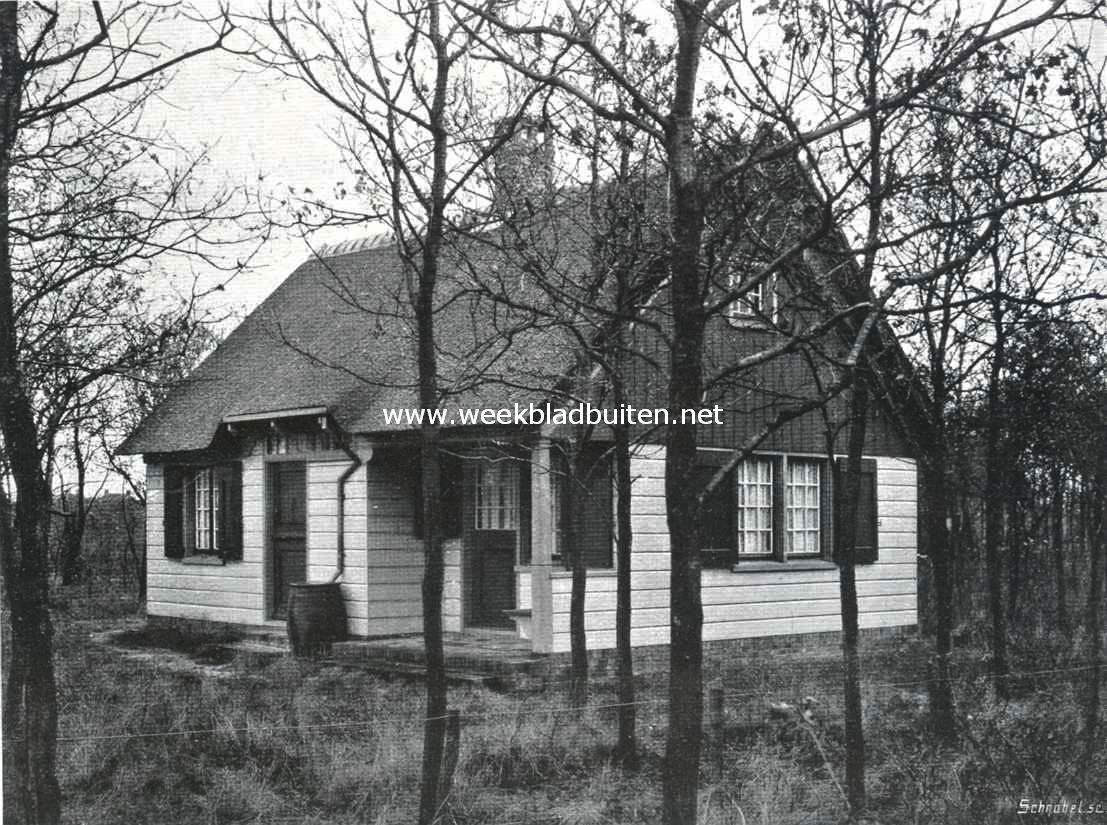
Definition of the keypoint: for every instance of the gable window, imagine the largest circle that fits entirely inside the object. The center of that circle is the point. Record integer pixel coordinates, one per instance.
(757, 303)
(778, 508)
(202, 515)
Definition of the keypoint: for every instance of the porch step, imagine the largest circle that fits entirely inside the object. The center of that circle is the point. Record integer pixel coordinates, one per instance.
(411, 670)
(497, 658)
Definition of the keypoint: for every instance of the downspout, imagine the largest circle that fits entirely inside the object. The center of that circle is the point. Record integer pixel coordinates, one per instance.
(340, 547)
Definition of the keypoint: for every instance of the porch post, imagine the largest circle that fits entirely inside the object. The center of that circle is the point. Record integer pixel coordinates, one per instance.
(541, 548)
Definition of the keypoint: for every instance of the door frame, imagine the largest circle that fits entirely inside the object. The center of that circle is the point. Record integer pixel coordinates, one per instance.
(473, 555)
(270, 573)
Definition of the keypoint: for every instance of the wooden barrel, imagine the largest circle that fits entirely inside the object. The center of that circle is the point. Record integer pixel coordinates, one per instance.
(316, 617)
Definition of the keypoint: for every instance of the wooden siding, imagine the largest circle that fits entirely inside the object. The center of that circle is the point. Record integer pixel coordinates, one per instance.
(744, 604)
(232, 592)
(754, 397)
(322, 505)
(394, 555)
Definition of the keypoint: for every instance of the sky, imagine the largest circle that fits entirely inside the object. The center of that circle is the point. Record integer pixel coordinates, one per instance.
(257, 124)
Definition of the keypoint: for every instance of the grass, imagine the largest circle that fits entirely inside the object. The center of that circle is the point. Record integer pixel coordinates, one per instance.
(276, 739)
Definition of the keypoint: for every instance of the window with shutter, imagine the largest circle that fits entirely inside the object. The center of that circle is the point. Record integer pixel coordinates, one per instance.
(583, 506)
(451, 493)
(203, 511)
(769, 508)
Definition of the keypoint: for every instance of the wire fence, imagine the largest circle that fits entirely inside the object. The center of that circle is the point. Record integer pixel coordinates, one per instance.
(257, 738)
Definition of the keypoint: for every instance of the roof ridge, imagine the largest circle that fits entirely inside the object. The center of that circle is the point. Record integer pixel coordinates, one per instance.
(332, 250)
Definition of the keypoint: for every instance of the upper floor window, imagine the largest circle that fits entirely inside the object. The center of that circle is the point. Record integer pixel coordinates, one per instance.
(758, 302)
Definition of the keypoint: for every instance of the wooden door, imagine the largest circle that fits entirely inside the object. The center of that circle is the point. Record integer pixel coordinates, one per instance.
(288, 529)
(493, 542)
(494, 588)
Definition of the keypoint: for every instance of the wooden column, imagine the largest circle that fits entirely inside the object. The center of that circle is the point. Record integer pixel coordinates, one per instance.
(542, 538)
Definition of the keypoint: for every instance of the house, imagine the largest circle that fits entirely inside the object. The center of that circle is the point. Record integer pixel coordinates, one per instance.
(275, 463)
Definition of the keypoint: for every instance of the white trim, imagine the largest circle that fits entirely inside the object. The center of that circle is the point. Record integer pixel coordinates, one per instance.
(294, 412)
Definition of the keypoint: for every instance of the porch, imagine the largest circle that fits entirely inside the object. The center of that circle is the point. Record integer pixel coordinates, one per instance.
(490, 657)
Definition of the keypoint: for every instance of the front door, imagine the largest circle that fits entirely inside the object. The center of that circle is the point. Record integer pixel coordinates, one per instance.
(288, 529)
(493, 543)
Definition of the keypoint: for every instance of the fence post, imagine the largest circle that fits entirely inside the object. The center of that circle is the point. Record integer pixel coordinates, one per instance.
(718, 717)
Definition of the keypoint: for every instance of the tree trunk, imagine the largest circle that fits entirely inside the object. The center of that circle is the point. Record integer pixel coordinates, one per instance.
(686, 223)
(941, 557)
(1095, 613)
(993, 499)
(1057, 536)
(434, 728)
(30, 706)
(75, 521)
(1016, 524)
(578, 641)
(847, 577)
(628, 738)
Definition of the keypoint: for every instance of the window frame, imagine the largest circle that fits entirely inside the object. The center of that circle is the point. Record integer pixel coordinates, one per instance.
(742, 312)
(500, 480)
(202, 512)
(781, 538)
(208, 493)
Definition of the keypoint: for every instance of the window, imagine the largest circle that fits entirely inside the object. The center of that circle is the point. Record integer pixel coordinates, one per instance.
(450, 487)
(757, 302)
(582, 507)
(202, 514)
(804, 510)
(207, 496)
(754, 487)
(497, 491)
(778, 508)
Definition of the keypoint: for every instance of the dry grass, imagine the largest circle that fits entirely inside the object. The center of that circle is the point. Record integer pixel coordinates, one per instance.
(274, 739)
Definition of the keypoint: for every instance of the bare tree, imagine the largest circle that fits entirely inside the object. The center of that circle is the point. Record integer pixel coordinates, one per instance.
(869, 44)
(101, 205)
(410, 129)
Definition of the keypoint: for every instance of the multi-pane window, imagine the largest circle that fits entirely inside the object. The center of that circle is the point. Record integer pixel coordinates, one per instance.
(756, 302)
(207, 511)
(497, 489)
(202, 512)
(754, 488)
(802, 516)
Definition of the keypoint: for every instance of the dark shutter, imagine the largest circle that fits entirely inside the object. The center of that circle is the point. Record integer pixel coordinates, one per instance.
(716, 524)
(230, 510)
(592, 505)
(865, 549)
(524, 511)
(188, 474)
(779, 505)
(173, 500)
(451, 486)
(413, 480)
(826, 509)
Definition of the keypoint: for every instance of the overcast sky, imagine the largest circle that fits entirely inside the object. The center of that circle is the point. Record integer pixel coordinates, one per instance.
(257, 123)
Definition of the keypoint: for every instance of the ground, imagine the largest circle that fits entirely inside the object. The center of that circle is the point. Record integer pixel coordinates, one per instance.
(174, 729)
